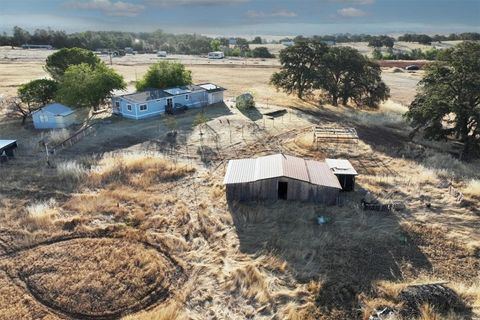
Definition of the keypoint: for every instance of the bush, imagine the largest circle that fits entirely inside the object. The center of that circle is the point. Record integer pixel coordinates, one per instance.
(245, 101)
(262, 52)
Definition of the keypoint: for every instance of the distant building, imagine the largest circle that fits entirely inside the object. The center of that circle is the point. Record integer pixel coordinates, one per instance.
(232, 41)
(37, 46)
(281, 176)
(287, 43)
(344, 171)
(154, 102)
(53, 116)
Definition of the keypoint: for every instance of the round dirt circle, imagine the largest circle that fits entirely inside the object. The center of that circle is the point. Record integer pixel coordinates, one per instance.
(97, 278)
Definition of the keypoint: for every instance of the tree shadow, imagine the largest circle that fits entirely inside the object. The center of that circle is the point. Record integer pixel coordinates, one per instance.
(347, 255)
(252, 113)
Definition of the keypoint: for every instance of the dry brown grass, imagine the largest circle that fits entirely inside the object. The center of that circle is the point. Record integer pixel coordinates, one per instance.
(172, 311)
(94, 276)
(136, 170)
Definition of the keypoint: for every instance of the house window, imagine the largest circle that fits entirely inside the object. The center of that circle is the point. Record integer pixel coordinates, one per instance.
(117, 104)
(187, 97)
(43, 118)
(143, 107)
(129, 107)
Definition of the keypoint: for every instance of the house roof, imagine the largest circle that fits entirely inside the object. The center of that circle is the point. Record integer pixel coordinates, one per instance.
(56, 109)
(7, 143)
(280, 165)
(341, 166)
(144, 96)
(154, 94)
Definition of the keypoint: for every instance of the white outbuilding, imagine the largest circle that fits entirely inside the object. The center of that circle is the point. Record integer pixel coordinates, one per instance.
(53, 116)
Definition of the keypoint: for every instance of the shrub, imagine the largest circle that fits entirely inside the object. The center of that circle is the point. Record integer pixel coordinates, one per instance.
(245, 101)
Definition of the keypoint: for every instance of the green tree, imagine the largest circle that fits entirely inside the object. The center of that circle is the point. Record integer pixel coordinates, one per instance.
(377, 54)
(20, 36)
(165, 74)
(86, 86)
(297, 74)
(448, 100)
(369, 89)
(257, 40)
(215, 45)
(261, 52)
(38, 92)
(59, 62)
(341, 72)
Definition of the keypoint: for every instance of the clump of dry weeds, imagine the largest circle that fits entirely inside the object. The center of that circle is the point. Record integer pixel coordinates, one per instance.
(137, 170)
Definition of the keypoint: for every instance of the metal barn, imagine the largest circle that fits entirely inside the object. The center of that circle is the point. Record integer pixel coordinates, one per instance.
(344, 171)
(281, 176)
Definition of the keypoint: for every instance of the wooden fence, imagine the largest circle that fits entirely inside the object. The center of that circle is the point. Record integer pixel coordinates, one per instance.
(77, 136)
(331, 134)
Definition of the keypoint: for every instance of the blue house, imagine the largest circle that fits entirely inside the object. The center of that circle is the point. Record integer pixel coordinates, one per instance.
(53, 116)
(154, 102)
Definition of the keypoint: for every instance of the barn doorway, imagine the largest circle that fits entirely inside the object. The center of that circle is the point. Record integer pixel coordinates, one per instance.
(282, 190)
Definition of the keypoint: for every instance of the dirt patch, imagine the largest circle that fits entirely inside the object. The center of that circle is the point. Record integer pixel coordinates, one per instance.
(95, 278)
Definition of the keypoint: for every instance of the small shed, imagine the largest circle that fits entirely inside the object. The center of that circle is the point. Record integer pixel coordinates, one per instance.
(214, 92)
(53, 116)
(7, 147)
(281, 176)
(344, 171)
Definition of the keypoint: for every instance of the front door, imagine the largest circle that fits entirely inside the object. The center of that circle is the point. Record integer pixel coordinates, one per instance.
(282, 190)
(169, 105)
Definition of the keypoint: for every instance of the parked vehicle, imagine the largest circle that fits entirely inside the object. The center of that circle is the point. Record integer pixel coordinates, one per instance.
(216, 55)
(161, 54)
(412, 67)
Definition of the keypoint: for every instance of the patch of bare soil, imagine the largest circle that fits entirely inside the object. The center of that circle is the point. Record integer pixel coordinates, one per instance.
(95, 278)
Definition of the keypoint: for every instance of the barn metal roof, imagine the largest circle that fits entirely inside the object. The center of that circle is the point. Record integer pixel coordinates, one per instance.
(341, 166)
(280, 165)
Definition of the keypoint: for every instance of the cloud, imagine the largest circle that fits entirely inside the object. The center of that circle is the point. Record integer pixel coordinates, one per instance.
(111, 8)
(175, 3)
(351, 12)
(253, 14)
(358, 2)
(283, 13)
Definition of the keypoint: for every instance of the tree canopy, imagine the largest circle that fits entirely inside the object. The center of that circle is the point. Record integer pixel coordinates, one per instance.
(38, 93)
(165, 74)
(340, 72)
(86, 86)
(261, 52)
(448, 100)
(58, 62)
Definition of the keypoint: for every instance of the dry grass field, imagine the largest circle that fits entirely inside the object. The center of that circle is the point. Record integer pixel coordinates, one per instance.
(130, 223)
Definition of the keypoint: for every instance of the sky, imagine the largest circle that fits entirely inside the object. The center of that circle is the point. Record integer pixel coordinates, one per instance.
(245, 17)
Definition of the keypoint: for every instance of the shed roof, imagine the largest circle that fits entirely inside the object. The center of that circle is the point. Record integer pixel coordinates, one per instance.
(341, 166)
(210, 87)
(280, 165)
(57, 109)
